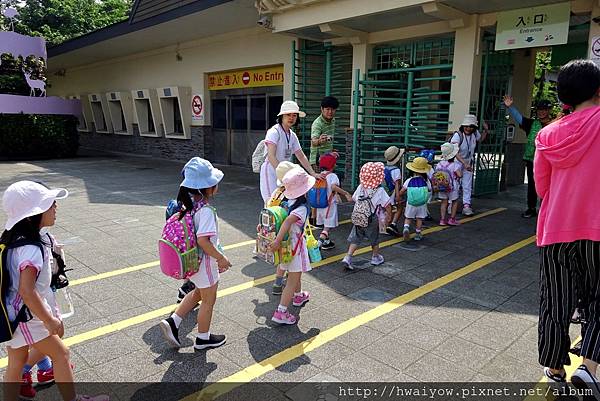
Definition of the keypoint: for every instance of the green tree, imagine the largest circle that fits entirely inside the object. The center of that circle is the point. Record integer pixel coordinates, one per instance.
(542, 88)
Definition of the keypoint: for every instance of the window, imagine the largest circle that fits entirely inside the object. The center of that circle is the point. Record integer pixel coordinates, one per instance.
(258, 113)
(239, 114)
(274, 106)
(219, 113)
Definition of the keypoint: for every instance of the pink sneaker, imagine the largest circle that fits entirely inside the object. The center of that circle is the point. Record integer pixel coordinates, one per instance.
(300, 300)
(453, 222)
(443, 222)
(283, 317)
(27, 391)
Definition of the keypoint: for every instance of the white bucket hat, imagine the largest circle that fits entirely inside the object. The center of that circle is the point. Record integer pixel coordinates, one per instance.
(199, 173)
(470, 119)
(27, 198)
(449, 150)
(290, 107)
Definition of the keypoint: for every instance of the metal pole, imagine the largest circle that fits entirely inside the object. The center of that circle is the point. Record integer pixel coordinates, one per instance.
(327, 69)
(355, 100)
(294, 70)
(409, 92)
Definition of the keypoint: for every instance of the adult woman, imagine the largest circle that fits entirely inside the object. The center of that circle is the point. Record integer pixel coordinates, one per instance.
(282, 144)
(568, 227)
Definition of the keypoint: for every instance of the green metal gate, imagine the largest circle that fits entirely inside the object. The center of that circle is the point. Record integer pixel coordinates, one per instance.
(404, 100)
(323, 70)
(496, 73)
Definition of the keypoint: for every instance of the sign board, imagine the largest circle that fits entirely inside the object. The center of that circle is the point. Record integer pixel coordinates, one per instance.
(533, 27)
(594, 53)
(246, 78)
(197, 109)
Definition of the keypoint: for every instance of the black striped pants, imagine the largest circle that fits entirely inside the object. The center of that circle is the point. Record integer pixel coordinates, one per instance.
(568, 271)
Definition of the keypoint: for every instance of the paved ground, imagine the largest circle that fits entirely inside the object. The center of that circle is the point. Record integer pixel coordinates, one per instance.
(422, 316)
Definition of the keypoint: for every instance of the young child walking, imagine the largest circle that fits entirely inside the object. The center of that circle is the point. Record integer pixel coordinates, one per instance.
(328, 217)
(365, 226)
(453, 168)
(28, 301)
(297, 183)
(393, 181)
(200, 185)
(418, 191)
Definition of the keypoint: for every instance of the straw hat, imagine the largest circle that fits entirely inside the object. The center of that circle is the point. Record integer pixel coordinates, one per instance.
(199, 173)
(290, 107)
(419, 165)
(27, 198)
(469, 120)
(393, 154)
(449, 150)
(297, 182)
(372, 174)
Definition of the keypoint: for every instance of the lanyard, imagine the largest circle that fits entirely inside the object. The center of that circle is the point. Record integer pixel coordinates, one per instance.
(469, 142)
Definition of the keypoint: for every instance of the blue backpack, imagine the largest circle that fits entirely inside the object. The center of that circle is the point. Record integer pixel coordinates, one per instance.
(417, 193)
(389, 181)
(317, 195)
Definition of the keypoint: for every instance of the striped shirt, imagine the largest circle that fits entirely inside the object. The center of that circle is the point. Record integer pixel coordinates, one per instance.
(319, 127)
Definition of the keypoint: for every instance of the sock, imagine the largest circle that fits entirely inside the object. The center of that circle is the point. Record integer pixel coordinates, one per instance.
(282, 308)
(27, 368)
(407, 226)
(176, 319)
(203, 336)
(418, 231)
(298, 294)
(44, 364)
(279, 280)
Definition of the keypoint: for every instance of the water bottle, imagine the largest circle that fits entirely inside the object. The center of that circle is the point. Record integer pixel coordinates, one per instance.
(64, 302)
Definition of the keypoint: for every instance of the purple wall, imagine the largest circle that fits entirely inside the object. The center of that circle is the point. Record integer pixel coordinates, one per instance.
(14, 104)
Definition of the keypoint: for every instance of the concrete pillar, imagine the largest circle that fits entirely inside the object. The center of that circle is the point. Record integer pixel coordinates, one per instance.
(362, 59)
(466, 45)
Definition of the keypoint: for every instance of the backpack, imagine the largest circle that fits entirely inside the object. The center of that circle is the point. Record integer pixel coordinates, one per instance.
(278, 198)
(441, 180)
(389, 181)
(269, 224)
(259, 156)
(172, 207)
(317, 195)
(363, 211)
(417, 192)
(8, 327)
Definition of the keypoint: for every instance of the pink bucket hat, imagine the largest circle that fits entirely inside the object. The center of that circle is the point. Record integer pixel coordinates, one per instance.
(372, 174)
(297, 182)
(27, 198)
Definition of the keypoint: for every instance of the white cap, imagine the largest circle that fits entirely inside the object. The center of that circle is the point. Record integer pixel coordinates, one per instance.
(290, 107)
(27, 198)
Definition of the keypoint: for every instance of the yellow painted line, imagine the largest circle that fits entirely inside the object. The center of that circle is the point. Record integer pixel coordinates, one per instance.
(155, 314)
(258, 369)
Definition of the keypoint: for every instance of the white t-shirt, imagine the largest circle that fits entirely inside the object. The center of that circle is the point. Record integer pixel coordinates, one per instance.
(405, 185)
(205, 222)
(332, 179)
(379, 198)
(468, 145)
(287, 144)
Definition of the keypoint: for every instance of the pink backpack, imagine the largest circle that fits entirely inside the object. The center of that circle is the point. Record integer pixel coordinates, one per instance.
(177, 247)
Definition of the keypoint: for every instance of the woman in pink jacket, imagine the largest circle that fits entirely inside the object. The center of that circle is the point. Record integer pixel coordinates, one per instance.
(566, 169)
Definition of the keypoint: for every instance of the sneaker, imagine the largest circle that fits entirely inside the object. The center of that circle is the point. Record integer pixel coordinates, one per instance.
(553, 377)
(327, 244)
(277, 289)
(467, 211)
(45, 376)
(377, 260)
(406, 233)
(185, 289)
(300, 300)
(584, 380)
(214, 341)
(453, 222)
(27, 391)
(170, 331)
(347, 261)
(418, 236)
(529, 213)
(576, 318)
(283, 317)
(102, 397)
(576, 350)
(443, 222)
(392, 229)
(428, 218)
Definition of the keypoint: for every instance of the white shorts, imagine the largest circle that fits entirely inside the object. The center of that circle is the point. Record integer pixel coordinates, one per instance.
(415, 212)
(31, 332)
(452, 196)
(328, 216)
(208, 275)
(299, 264)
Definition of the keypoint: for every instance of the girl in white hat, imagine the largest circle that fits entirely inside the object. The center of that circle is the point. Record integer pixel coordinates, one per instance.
(466, 138)
(453, 169)
(35, 323)
(282, 144)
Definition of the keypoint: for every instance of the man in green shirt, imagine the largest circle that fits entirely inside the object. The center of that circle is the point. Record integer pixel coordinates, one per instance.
(323, 130)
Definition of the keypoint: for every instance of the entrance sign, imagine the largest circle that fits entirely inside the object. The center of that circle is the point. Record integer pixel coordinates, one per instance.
(197, 105)
(246, 78)
(594, 53)
(533, 27)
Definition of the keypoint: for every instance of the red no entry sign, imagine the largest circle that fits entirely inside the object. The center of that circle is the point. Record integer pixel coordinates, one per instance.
(197, 105)
(246, 77)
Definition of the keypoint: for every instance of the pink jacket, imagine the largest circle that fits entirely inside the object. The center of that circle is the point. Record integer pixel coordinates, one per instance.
(566, 169)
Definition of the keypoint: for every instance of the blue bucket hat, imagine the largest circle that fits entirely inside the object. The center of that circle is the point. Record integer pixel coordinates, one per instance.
(199, 173)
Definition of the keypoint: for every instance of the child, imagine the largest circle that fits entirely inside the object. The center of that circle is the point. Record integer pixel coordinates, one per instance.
(368, 197)
(31, 206)
(198, 187)
(297, 183)
(328, 216)
(393, 178)
(277, 197)
(450, 165)
(418, 190)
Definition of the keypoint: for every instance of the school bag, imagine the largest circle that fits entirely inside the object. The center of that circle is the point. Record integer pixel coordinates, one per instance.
(7, 326)
(363, 211)
(317, 195)
(269, 224)
(258, 156)
(278, 198)
(441, 180)
(389, 181)
(417, 193)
